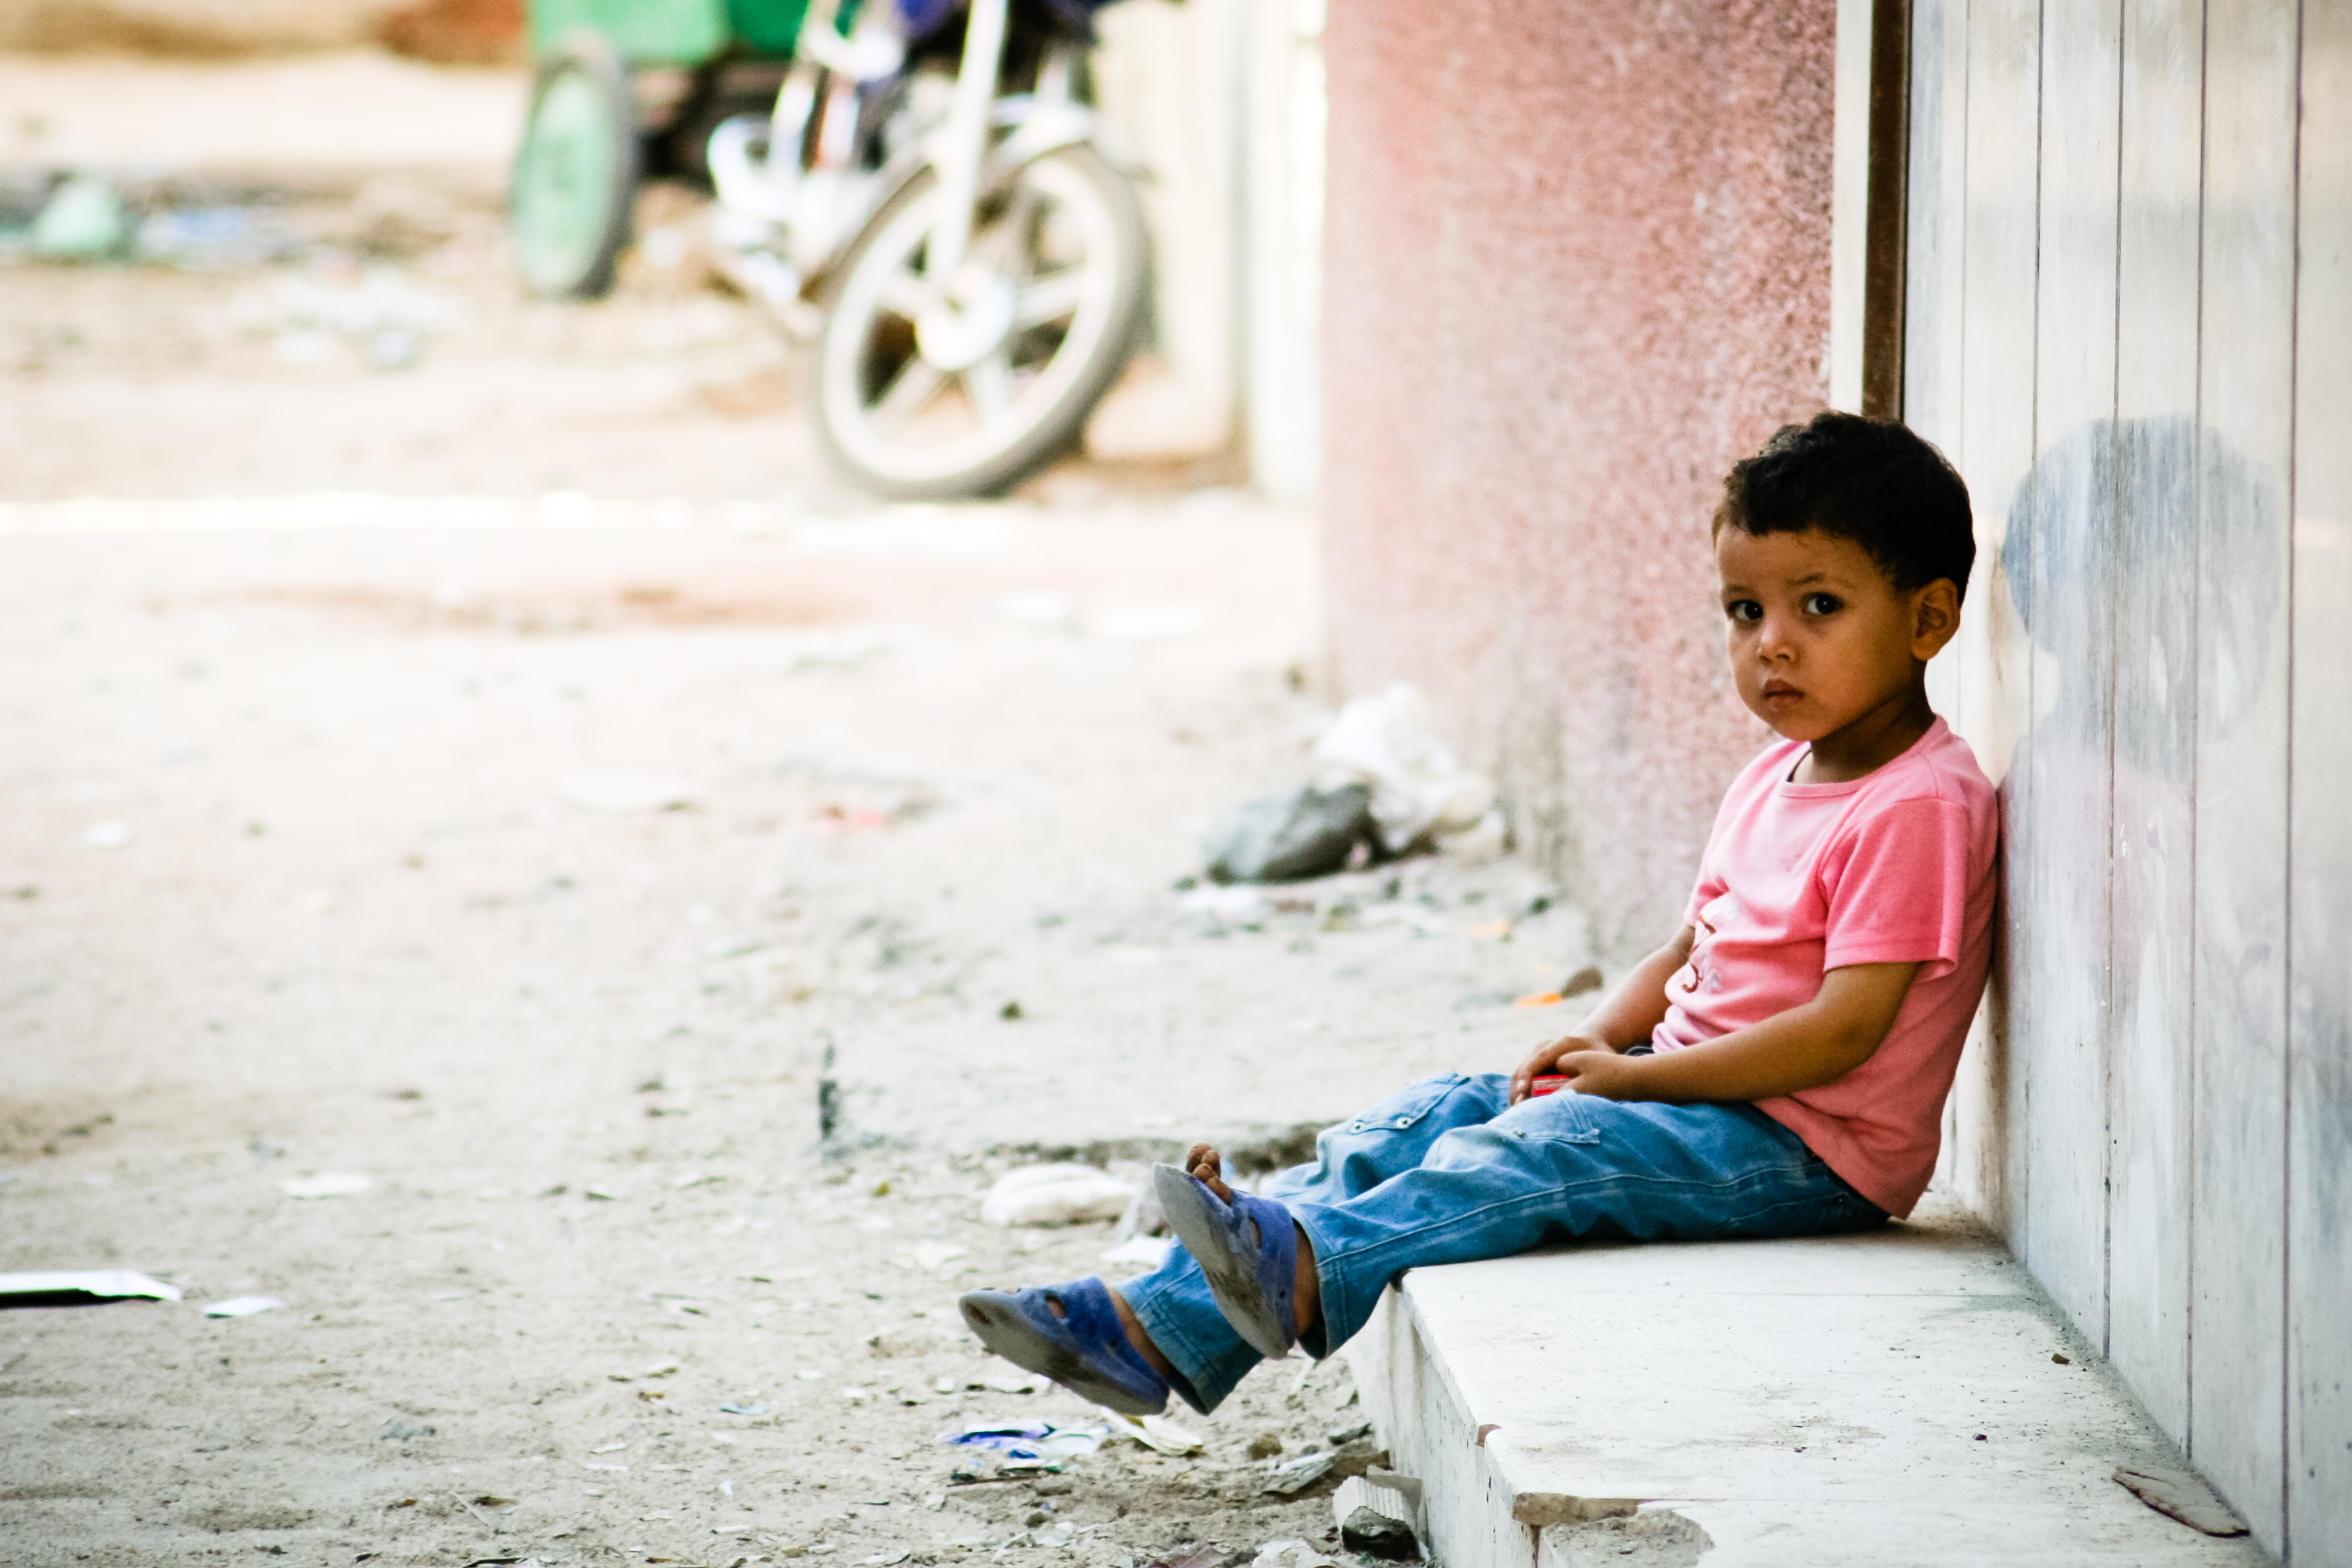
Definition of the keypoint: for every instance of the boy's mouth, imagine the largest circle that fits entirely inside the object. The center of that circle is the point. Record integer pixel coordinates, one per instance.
(1780, 694)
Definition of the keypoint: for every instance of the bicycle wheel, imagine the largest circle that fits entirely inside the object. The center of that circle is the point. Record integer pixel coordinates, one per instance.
(575, 176)
(927, 387)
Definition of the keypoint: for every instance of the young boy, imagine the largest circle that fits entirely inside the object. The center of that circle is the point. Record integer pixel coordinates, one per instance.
(1778, 1068)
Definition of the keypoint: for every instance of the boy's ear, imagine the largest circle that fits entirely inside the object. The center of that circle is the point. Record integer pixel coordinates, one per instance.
(1934, 617)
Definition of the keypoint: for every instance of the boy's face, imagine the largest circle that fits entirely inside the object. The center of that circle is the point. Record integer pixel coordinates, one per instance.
(1819, 639)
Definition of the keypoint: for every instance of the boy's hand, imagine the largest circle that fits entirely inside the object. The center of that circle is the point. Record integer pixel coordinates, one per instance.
(1604, 1073)
(1548, 1059)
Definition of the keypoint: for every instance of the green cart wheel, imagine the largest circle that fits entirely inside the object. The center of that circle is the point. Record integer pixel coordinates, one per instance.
(575, 177)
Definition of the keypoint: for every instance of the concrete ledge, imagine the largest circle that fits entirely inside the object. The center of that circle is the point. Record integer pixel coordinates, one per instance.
(1801, 1402)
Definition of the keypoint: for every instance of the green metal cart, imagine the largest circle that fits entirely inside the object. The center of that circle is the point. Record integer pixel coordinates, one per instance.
(624, 89)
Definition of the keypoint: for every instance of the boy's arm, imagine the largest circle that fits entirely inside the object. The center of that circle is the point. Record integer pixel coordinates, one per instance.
(1807, 1046)
(1626, 1016)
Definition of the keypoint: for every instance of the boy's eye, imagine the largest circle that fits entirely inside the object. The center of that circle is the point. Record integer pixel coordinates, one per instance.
(1744, 610)
(1823, 604)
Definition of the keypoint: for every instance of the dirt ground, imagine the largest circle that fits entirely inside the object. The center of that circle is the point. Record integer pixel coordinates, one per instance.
(499, 762)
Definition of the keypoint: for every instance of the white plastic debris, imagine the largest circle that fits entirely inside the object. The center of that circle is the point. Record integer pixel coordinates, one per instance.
(1288, 1476)
(1154, 1432)
(1055, 1195)
(243, 1306)
(106, 835)
(326, 1183)
(1291, 1554)
(1418, 789)
(104, 1284)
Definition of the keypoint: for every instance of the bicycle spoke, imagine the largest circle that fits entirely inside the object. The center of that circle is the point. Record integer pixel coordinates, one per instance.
(910, 393)
(989, 384)
(1051, 298)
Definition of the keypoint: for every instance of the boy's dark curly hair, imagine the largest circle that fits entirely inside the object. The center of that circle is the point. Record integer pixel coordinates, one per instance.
(1868, 480)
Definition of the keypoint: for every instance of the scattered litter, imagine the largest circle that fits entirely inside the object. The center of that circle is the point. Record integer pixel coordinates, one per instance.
(75, 1287)
(1418, 790)
(243, 1306)
(600, 1194)
(624, 796)
(596, 1467)
(1288, 837)
(83, 219)
(1291, 1554)
(384, 315)
(936, 1501)
(213, 238)
(809, 1374)
(659, 1369)
(884, 1559)
(609, 1449)
(1295, 1476)
(1340, 1437)
(1144, 1251)
(742, 1410)
(1144, 1215)
(1025, 1382)
(1055, 1195)
(1241, 905)
(106, 835)
(1379, 1512)
(1055, 1534)
(1004, 1452)
(1155, 1432)
(2182, 1495)
(401, 1432)
(326, 1183)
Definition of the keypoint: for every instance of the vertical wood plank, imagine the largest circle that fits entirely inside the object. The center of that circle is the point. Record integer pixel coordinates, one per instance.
(2154, 702)
(2237, 1242)
(1935, 190)
(2061, 585)
(2319, 1082)
(1997, 453)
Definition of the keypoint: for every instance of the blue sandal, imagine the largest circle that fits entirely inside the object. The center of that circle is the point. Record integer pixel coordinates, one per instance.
(1248, 1248)
(1083, 1348)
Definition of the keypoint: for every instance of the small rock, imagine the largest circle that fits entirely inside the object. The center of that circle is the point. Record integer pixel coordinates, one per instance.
(1389, 1539)
(1305, 832)
(1266, 1444)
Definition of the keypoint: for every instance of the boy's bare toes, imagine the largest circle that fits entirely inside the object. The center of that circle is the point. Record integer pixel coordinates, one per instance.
(1208, 1167)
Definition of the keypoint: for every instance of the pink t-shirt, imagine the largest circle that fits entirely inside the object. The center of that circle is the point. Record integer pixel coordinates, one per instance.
(1798, 879)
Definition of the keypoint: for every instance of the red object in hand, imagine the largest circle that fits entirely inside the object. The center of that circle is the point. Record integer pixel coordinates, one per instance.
(1549, 1083)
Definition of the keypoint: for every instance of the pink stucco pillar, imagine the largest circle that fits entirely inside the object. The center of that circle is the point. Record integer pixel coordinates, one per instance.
(1577, 261)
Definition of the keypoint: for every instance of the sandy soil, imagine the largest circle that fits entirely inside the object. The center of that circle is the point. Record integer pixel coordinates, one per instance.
(526, 772)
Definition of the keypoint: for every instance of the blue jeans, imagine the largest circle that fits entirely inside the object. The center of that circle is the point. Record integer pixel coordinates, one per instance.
(1448, 1170)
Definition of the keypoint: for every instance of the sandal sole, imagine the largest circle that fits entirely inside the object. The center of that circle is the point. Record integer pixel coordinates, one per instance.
(1194, 1215)
(1017, 1340)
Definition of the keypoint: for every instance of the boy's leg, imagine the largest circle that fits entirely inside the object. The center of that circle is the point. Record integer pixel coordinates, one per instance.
(1172, 1304)
(1567, 1165)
